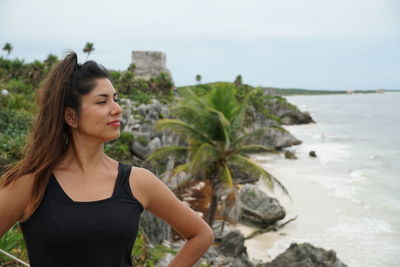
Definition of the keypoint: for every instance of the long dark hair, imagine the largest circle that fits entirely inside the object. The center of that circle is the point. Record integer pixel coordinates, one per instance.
(63, 87)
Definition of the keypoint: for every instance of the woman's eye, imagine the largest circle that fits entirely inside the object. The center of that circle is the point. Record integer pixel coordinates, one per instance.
(105, 102)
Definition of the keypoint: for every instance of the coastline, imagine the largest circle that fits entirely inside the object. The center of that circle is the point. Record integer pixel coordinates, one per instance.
(340, 203)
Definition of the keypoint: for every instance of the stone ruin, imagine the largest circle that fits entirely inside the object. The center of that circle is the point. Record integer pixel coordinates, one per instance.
(149, 64)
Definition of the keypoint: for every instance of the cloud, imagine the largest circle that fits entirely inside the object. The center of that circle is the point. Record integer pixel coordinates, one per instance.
(192, 20)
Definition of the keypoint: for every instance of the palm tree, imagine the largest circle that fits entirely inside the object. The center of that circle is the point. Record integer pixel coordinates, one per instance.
(8, 47)
(89, 48)
(213, 126)
(198, 78)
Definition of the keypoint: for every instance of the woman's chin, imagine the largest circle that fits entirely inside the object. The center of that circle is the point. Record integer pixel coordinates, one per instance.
(113, 137)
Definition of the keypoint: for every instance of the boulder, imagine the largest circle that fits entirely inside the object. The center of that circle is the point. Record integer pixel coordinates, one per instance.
(232, 244)
(312, 154)
(301, 255)
(215, 258)
(240, 177)
(290, 155)
(258, 209)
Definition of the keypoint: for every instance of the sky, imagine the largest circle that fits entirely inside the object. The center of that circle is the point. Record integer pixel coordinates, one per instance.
(311, 44)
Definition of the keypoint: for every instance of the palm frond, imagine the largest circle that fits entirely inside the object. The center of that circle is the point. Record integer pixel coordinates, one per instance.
(187, 113)
(185, 167)
(227, 176)
(254, 170)
(192, 96)
(223, 126)
(223, 98)
(181, 127)
(204, 156)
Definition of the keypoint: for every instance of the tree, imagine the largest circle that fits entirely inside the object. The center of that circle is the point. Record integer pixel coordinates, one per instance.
(50, 61)
(89, 48)
(213, 126)
(8, 47)
(238, 80)
(198, 78)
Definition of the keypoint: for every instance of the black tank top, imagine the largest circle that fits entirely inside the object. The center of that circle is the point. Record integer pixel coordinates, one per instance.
(63, 232)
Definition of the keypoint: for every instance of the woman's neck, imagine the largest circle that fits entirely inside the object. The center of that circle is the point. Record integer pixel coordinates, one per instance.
(85, 156)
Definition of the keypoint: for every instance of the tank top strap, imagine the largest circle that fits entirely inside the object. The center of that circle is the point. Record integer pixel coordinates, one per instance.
(124, 172)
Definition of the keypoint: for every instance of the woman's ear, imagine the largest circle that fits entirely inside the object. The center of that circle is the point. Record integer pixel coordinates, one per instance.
(70, 116)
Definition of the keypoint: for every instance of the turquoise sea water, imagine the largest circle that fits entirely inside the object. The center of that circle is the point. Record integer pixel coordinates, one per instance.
(348, 198)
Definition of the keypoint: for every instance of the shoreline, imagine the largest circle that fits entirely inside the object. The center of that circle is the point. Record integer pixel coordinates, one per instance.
(345, 198)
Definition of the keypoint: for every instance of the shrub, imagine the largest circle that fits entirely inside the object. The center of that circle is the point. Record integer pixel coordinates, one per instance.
(13, 242)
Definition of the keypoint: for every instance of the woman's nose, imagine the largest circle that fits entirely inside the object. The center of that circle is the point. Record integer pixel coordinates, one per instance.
(117, 108)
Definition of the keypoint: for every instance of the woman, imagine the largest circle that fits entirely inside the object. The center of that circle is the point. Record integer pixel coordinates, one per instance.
(77, 206)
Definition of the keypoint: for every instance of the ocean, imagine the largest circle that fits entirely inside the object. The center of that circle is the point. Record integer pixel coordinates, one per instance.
(348, 197)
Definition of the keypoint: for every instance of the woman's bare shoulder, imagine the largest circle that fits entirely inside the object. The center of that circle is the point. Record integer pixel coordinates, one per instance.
(142, 182)
(143, 177)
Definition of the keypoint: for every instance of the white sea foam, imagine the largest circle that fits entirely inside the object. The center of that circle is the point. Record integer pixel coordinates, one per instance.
(356, 176)
(355, 226)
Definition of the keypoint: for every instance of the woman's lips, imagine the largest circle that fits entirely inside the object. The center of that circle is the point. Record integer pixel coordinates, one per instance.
(115, 123)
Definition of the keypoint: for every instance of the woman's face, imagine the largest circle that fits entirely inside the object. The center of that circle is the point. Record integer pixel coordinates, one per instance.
(100, 113)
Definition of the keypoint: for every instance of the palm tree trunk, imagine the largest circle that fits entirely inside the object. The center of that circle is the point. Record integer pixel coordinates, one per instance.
(212, 210)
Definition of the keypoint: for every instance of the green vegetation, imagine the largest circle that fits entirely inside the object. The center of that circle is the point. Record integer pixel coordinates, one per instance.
(142, 91)
(144, 254)
(213, 125)
(258, 99)
(13, 242)
(119, 149)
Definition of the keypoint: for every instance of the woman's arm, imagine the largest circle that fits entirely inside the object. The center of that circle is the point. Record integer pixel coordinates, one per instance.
(157, 198)
(13, 200)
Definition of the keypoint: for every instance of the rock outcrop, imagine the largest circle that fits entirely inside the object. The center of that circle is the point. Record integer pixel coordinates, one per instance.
(288, 113)
(276, 137)
(301, 255)
(258, 209)
(155, 230)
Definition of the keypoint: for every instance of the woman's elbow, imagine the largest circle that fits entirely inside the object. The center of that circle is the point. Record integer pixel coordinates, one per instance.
(208, 236)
